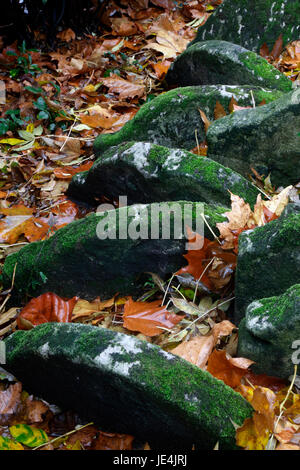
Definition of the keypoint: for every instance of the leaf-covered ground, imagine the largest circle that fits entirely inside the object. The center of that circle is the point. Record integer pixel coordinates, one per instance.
(57, 102)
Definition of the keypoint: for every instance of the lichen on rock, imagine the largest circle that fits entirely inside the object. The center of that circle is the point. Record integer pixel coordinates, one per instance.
(127, 385)
(268, 332)
(221, 62)
(149, 173)
(173, 119)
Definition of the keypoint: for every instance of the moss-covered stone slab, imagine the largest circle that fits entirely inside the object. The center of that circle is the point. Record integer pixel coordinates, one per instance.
(251, 23)
(269, 332)
(221, 62)
(148, 173)
(126, 385)
(75, 261)
(266, 138)
(172, 119)
(268, 260)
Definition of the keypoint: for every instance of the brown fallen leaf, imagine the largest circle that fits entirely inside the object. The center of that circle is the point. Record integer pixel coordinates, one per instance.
(124, 88)
(230, 370)
(196, 350)
(47, 307)
(148, 318)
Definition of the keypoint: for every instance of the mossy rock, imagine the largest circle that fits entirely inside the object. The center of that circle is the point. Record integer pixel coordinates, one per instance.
(172, 119)
(221, 62)
(269, 332)
(268, 260)
(251, 23)
(76, 261)
(149, 173)
(266, 138)
(126, 385)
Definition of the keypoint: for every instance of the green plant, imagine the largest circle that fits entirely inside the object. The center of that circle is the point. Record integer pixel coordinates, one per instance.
(23, 62)
(11, 122)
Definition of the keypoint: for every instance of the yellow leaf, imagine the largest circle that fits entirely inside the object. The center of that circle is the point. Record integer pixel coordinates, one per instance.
(28, 435)
(12, 141)
(30, 128)
(9, 444)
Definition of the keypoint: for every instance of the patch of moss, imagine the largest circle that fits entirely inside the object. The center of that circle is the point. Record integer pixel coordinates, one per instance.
(261, 68)
(156, 388)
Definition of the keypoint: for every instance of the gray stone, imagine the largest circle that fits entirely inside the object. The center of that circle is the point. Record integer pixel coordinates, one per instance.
(75, 261)
(149, 173)
(266, 138)
(172, 119)
(126, 385)
(221, 62)
(251, 23)
(268, 260)
(269, 332)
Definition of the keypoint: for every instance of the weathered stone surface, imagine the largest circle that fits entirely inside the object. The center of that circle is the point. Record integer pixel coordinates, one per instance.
(148, 173)
(268, 260)
(265, 138)
(126, 385)
(251, 23)
(172, 119)
(74, 261)
(267, 333)
(221, 62)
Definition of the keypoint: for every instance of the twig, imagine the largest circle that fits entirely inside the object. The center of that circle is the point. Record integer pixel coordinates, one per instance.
(198, 280)
(270, 445)
(204, 315)
(209, 227)
(11, 288)
(64, 435)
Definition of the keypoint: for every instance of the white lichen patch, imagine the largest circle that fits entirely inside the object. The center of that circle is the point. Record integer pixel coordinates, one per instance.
(44, 350)
(173, 161)
(139, 153)
(113, 356)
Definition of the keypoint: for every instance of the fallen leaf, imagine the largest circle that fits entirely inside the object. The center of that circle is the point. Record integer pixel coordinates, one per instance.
(196, 350)
(230, 370)
(47, 307)
(148, 317)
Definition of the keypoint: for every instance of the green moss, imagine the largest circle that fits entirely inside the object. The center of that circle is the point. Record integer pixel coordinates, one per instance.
(261, 68)
(270, 328)
(146, 173)
(172, 118)
(74, 261)
(158, 389)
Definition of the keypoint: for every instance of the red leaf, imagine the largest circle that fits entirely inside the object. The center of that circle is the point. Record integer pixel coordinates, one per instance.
(47, 307)
(147, 317)
(197, 260)
(226, 368)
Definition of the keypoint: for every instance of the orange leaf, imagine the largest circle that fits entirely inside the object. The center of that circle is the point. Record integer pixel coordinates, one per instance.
(205, 120)
(197, 260)
(123, 88)
(278, 47)
(47, 307)
(147, 317)
(196, 350)
(67, 172)
(225, 368)
(219, 111)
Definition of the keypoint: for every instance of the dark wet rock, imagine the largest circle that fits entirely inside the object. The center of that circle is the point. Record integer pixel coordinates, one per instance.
(251, 23)
(266, 138)
(150, 173)
(270, 333)
(268, 260)
(221, 62)
(75, 261)
(126, 385)
(172, 119)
